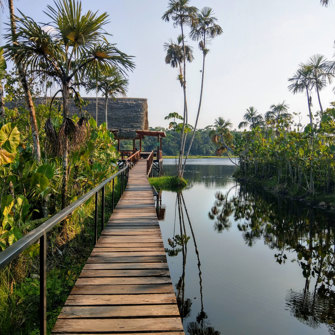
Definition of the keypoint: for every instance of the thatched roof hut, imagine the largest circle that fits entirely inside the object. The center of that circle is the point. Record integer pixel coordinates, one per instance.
(125, 115)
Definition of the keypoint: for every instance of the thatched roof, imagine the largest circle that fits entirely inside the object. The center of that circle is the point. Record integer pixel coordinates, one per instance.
(126, 115)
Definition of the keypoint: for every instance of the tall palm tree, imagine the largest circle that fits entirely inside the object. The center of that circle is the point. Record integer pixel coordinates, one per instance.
(69, 53)
(204, 29)
(321, 73)
(300, 82)
(181, 14)
(111, 82)
(175, 56)
(278, 113)
(252, 119)
(13, 40)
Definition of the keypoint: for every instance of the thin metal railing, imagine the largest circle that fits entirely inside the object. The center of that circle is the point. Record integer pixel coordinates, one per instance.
(40, 234)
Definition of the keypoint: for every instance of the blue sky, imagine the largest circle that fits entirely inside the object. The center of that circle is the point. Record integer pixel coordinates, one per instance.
(261, 47)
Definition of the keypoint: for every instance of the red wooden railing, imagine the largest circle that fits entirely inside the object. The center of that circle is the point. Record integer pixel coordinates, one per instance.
(134, 157)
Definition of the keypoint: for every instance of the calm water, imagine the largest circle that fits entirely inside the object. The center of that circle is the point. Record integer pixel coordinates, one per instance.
(266, 266)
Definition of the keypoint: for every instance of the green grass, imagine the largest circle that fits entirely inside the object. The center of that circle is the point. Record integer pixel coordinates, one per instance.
(168, 183)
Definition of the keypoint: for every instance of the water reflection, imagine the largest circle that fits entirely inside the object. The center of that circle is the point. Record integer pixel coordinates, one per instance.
(209, 175)
(178, 245)
(295, 234)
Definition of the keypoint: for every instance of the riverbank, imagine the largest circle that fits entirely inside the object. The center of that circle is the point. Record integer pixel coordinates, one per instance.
(320, 201)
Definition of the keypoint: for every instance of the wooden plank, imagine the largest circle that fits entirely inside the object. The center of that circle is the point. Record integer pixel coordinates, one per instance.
(125, 259)
(108, 253)
(125, 266)
(122, 289)
(118, 311)
(118, 325)
(101, 280)
(133, 245)
(120, 299)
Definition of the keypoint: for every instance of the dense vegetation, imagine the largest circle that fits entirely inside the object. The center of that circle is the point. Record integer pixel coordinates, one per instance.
(47, 159)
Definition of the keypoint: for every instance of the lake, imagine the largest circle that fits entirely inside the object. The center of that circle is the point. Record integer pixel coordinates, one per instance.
(243, 262)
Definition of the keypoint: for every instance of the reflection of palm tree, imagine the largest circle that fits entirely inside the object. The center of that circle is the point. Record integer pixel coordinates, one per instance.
(198, 327)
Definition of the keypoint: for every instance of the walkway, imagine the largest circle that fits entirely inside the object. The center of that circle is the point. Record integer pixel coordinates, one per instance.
(125, 286)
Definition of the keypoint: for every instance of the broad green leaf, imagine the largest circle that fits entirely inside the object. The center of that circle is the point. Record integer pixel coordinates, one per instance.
(10, 136)
(47, 170)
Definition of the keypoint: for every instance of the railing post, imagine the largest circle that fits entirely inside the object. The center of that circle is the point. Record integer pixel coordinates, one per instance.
(96, 219)
(43, 284)
(113, 196)
(102, 207)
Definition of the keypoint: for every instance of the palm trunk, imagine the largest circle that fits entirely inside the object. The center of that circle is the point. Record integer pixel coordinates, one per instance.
(319, 99)
(185, 121)
(106, 110)
(199, 106)
(309, 109)
(27, 93)
(65, 154)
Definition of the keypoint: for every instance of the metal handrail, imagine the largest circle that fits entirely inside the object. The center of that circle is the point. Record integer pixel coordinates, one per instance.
(39, 234)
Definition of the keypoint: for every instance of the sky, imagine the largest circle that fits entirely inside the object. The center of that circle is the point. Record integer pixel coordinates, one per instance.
(262, 45)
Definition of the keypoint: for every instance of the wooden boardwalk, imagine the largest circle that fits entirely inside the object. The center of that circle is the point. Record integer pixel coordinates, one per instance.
(125, 286)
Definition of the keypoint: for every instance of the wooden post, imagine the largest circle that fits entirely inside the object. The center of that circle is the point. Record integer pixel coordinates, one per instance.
(141, 144)
(134, 144)
(118, 145)
(158, 146)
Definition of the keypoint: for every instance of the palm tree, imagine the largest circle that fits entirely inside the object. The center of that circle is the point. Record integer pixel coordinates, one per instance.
(13, 40)
(324, 2)
(301, 81)
(222, 137)
(175, 56)
(111, 82)
(69, 53)
(252, 119)
(278, 113)
(321, 72)
(181, 14)
(204, 29)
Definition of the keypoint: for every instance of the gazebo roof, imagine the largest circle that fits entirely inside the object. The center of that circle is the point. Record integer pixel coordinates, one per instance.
(143, 133)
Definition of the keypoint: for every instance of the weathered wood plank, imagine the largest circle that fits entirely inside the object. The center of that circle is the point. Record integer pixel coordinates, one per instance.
(121, 325)
(122, 289)
(125, 259)
(99, 280)
(108, 253)
(118, 311)
(122, 299)
(125, 266)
